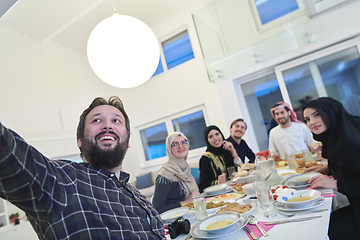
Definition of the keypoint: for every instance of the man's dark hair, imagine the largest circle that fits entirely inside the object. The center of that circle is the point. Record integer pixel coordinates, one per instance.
(278, 104)
(113, 101)
(238, 120)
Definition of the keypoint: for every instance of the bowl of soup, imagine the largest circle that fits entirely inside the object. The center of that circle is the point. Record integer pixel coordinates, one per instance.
(220, 222)
(302, 179)
(299, 199)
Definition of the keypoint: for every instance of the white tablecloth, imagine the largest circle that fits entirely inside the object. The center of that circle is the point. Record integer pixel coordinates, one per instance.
(315, 229)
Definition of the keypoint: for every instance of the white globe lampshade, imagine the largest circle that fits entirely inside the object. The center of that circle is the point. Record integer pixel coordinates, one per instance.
(123, 51)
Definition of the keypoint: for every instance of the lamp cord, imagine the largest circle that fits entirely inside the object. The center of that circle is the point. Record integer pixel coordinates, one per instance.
(114, 8)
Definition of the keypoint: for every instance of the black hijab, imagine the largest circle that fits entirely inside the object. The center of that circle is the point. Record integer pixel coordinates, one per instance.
(341, 140)
(217, 151)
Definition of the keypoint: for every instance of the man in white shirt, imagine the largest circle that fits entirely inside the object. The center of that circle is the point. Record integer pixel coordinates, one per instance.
(290, 135)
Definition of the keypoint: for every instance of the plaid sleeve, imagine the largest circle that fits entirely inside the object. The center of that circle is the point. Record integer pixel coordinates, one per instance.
(27, 178)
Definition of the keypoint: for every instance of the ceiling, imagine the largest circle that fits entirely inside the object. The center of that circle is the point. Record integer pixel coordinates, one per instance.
(70, 22)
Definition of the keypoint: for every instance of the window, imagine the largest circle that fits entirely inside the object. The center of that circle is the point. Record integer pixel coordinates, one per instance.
(191, 122)
(270, 13)
(270, 10)
(176, 50)
(159, 69)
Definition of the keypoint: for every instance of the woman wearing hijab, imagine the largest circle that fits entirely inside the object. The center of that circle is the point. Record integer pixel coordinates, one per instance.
(339, 133)
(174, 185)
(220, 155)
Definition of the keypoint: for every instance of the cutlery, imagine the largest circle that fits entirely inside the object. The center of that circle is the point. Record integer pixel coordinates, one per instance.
(254, 221)
(250, 232)
(292, 220)
(267, 177)
(302, 212)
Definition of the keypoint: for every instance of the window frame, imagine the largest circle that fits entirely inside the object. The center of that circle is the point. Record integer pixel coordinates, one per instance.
(168, 122)
(261, 28)
(168, 36)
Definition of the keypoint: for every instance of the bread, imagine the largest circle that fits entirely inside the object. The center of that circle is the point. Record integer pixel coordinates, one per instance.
(247, 166)
(241, 173)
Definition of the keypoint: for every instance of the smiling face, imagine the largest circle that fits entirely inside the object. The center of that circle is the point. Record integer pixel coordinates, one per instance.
(180, 151)
(215, 138)
(105, 137)
(282, 116)
(314, 121)
(238, 130)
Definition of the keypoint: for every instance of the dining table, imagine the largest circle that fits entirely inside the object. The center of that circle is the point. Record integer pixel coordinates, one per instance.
(314, 229)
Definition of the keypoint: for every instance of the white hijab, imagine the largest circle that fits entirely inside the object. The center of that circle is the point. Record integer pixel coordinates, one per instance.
(178, 170)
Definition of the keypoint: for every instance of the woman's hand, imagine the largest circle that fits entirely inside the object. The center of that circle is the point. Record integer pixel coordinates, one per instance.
(222, 178)
(190, 198)
(320, 169)
(323, 181)
(229, 146)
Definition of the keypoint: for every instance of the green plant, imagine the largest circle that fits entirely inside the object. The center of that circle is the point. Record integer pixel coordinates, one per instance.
(13, 215)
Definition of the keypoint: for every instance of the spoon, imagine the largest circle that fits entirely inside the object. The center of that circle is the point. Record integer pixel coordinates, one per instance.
(267, 177)
(254, 221)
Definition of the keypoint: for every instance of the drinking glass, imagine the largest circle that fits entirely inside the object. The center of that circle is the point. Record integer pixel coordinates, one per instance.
(265, 199)
(200, 207)
(231, 171)
(292, 161)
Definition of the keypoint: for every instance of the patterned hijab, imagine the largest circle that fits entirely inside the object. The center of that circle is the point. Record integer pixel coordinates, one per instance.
(178, 170)
(293, 116)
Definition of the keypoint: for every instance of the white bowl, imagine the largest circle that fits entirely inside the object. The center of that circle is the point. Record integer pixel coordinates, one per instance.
(248, 179)
(216, 189)
(302, 179)
(172, 214)
(284, 199)
(285, 174)
(234, 217)
(249, 189)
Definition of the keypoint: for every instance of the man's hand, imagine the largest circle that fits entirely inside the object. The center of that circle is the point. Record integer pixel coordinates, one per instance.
(222, 178)
(323, 181)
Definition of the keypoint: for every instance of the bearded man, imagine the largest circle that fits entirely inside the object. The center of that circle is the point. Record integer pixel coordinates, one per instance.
(290, 135)
(89, 200)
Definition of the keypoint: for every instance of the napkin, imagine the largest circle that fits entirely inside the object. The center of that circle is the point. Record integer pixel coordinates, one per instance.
(256, 231)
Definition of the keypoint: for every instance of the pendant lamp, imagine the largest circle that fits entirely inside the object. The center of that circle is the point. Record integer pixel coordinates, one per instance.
(123, 51)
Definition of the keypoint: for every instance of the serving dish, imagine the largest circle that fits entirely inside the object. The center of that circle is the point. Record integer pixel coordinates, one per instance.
(216, 189)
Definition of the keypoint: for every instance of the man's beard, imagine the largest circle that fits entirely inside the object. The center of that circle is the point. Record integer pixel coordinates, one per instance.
(286, 120)
(104, 158)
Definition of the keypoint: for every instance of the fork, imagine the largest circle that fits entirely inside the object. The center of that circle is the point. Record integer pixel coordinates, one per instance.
(303, 212)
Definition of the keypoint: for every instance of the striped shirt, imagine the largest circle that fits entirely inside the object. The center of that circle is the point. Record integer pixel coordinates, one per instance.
(68, 200)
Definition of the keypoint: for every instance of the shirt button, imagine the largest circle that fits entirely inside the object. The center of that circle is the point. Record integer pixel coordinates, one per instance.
(112, 174)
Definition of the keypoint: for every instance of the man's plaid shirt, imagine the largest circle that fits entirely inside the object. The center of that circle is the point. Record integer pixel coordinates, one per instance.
(67, 200)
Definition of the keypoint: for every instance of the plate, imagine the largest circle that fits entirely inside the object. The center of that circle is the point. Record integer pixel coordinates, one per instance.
(197, 233)
(319, 202)
(227, 190)
(302, 179)
(225, 197)
(253, 205)
(216, 189)
(291, 185)
(213, 210)
(172, 214)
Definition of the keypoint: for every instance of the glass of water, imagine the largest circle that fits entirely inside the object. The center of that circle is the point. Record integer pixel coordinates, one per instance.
(200, 207)
(265, 199)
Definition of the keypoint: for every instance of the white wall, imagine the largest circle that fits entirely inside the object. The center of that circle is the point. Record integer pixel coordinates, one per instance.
(45, 87)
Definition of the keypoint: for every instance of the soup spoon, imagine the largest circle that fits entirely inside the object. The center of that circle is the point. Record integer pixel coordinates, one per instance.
(254, 221)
